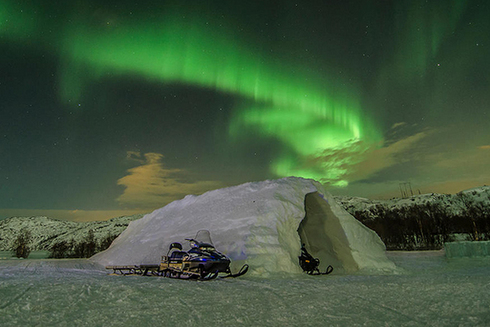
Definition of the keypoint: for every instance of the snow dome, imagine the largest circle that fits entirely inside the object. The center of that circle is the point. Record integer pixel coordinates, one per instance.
(262, 224)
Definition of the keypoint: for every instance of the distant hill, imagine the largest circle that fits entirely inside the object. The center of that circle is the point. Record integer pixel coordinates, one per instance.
(425, 221)
(45, 232)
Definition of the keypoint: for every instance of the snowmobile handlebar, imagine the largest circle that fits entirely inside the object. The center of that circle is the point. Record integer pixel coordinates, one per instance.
(193, 242)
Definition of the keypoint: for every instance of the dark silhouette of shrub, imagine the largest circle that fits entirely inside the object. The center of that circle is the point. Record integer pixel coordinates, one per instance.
(85, 248)
(106, 242)
(60, 250)
(20, 246)
(416, 227)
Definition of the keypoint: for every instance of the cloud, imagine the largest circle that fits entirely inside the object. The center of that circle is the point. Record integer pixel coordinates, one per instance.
(437, 166)
(134, 156)
(396, 125)
(354, 161)
(468, 165)
(378, 159)
(152, 186)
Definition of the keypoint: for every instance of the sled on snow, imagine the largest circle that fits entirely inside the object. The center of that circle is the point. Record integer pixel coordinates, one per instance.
(201, 262)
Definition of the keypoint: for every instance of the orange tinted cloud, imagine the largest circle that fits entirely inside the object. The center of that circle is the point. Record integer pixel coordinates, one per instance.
(382, 158)
(152, 186)
(453, 186)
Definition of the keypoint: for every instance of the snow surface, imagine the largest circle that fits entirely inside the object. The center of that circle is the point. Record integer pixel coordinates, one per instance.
(256, 223)
(431, 291)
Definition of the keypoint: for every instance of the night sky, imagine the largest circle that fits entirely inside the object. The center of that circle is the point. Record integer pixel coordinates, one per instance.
(117, 107)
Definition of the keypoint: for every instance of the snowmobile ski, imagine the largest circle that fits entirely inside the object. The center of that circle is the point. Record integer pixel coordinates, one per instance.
(241, 272)
(318, 272)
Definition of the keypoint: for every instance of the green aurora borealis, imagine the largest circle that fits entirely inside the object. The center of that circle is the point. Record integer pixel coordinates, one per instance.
(296, 108)
(289, 106)
(324, 120)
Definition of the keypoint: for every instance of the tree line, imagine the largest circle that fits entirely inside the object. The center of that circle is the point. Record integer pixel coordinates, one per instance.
(85, 248)
(428, 226)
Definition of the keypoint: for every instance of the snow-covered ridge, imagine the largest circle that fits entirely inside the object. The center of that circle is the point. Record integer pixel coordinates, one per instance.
(454, 204)
(47, 231)
(426, 221)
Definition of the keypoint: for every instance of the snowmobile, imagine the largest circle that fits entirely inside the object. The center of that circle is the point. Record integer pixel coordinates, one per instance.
(309, 264)
(201, 262)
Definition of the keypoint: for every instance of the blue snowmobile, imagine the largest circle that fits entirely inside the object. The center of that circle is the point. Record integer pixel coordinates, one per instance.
(202, 261)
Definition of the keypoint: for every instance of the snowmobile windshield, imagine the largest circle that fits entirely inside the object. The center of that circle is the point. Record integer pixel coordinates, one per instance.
(204, 237)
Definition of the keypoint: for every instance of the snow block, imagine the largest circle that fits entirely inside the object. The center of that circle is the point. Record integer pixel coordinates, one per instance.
(262, 224)
(467, 249)
(332, 235)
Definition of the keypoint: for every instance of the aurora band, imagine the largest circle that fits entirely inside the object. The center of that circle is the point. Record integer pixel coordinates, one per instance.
(314, 119)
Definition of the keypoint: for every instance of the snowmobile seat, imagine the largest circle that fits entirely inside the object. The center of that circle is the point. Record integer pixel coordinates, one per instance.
(175, 245)
(178, 255)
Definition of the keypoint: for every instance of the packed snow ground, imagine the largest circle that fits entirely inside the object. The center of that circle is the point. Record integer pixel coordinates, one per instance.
(431, 291)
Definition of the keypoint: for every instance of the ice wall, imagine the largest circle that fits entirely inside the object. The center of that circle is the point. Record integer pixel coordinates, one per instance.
(255, 223)
(336, 238)
(467, 249)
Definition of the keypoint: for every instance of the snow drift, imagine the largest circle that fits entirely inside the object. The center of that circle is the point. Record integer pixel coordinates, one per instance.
(260, 223)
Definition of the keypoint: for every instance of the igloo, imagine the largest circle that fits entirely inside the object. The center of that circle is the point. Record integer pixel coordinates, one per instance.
(262, 224)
